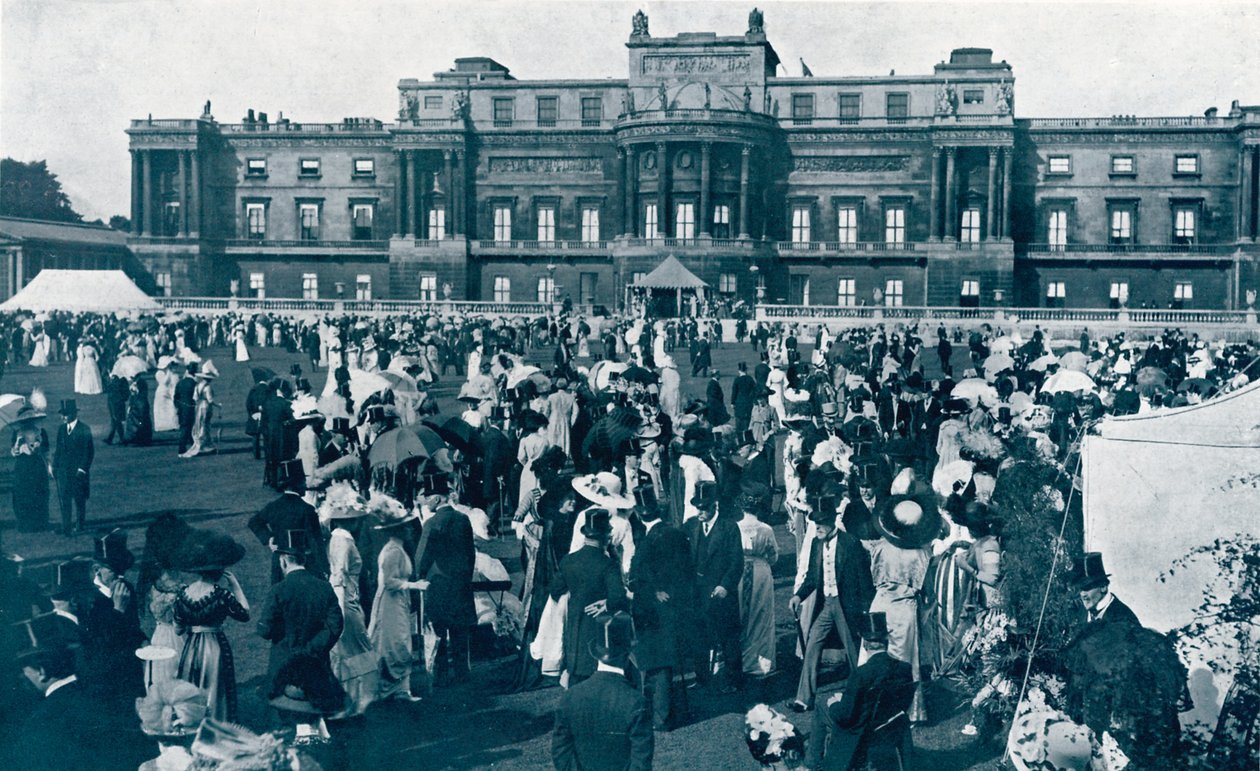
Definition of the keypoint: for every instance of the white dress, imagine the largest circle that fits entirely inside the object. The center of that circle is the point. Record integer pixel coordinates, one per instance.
(87, 375)
(165, 418)
(242, 351)
(40, 349)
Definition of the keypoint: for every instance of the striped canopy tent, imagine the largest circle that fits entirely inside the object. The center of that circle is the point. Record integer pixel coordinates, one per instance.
(671, 275)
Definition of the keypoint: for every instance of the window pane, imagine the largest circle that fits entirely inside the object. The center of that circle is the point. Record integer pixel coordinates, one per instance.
(1187, 164)
(428, 287)
(1058, 228)
(1060, 164)
(592, 110)
(847, 226)
(437, 223)
(970, 230)
(846, 292)
(364, 166)
(256, 167)
(898, 105)
(893, 292)
(310, 166)
(650, 229)
(590, 224)
(502, 289)
(685, 221)
(800, 225)
(502, 223)
(546, 223)
(256, 218)
(895, 225)
(850, 106)
(547, 110)
(802, 108)
(310, 286)
(546, 289)
(363, 287)
(1121, 225)
(309, 221)
(1122, 164)
(433, 103)
(504, 109)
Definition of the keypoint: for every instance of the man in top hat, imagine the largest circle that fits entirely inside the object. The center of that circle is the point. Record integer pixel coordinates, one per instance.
(1093, 586)
(111, 629)
(275, 414)
(603, 722)
(715, 408)
(302, 619)
(253, 409)
(446, 559)
(72, 466)
(871, 710)
(186, 406)
(743, 397)
(839, 577)
(593, 581)
(717, 552)
(290, 512)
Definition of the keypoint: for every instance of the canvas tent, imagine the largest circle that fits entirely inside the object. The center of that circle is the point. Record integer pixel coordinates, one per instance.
(671, 276)
(98, 291)
(1158, 485)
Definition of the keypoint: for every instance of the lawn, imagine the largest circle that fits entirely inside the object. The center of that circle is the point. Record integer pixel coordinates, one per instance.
(475, 725)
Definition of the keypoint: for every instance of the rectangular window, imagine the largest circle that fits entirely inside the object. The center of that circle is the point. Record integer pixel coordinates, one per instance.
(308, 221)
(685, 221)
(894, 292)
(1184, 220)
(504, 111)
(650, 225)
(637, 276)
(1184, 290)
(428, 287)
(973, 96)
(258, 285)
(502, 289)
(592, 110)
(364, 167)
(363, 287)
(437, 223)
(310, 286)
(1119, 293)
(256, 167)
(799, 289)
(850, 107)
(969, 230)
(847, 224)
(256, 221)
(308, 167)
(969, 297)
(433, 103)
(721, 221)
(548, 110)
(1056, 294)
(895, 225)
(362, 221)
(1057, 229)
(1059, 164)
(170, 218)
(590, 224)
(846, 292)
(1121, 225)
(727, 283)
(802, 109)
(1186, 164)
(546, 224)
(1123, 164)
(586, 287)
(546, 289)
(800, 224)
(502, 223)
(163, 279)
(898, 107)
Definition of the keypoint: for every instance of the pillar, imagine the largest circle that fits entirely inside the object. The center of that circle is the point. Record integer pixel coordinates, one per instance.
(137, 184)
(410, 156)
(627, 222)
(662, 190)
(194, 206)
(146, 181)
(1250, 162)
(461, 195)
(706, 216)
(182, 191)
(934, 203)
(1006, 194)
(951, 195)
(989, 229)
(744, 153)
(448, 179)
(399, 203)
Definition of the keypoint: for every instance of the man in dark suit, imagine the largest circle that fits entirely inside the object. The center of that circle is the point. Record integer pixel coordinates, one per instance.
(701, 357)
(276, 414)
(290, 512)
(715, 411)
(72, 467)
(445, 561)
(116, 392)
(594, 584)
(186, 407)
(253, 414)
(870, 714)
(661, 577)
(602, 722)
(1092, 585)
(743, 397)
(718, 555)
(498, 456)
(839, 577)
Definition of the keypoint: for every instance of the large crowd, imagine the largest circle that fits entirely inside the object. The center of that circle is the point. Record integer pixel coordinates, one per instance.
(646, 519)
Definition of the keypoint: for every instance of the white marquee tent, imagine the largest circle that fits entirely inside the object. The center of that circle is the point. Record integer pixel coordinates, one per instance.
(98, 291)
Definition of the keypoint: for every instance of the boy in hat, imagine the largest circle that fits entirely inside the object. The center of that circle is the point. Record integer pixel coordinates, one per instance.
(593, 581)
(1093, 586)
(290, 512)
(603, 721)
(717, 553)
(72, 466)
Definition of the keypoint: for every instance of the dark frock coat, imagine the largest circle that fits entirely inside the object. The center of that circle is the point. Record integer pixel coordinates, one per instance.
(446, 558)
(291, 512)
(602, 724)
(588, 575)
(873, 695)
(662, 563)
(302, 617)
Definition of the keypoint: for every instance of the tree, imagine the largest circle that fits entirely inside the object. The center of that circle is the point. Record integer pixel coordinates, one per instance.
(31, 190)
(119, 222)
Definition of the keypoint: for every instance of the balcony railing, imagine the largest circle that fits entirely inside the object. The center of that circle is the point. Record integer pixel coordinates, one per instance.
(164, 123)
(304, 128)
(301, 305)
(254, 243)
(698, 243)
(490, 246)
(843, 247)
(1130, 251)
(1124, 121)
(1039, 315)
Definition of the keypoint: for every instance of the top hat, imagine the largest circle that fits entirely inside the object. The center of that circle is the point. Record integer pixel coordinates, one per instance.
(645, 497)
(908, 521)
(913, 383)
(498, 413)
(874, 627)
(45, 633)
(603, 489)
(69, 407)
(291, 475)
(696, 441)
(341, 425)
(295, 370)
(73, 576)
(706, 495)
(617, 640)
(598, 523)
(111, 549)
(1088, 573)
(302, 384)
(203, 550)
(746, 438)
(824, 503)
(292, 542)
(955, 406)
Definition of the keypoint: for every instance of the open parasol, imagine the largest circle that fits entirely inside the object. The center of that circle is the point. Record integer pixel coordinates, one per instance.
(637, 374)
(363, 384)
(1074, 360)
(455, 432)
(602, 373)
(997, 362)
(1042, 362)
(435, 446)
(520, 374)
(128, 367)
(395, 447)
(399, 382)
(1068, 381)
(975, 390)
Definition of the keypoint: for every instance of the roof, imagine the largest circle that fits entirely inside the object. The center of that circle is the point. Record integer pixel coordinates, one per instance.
(100, 291)
(670, 274)
(66, 232)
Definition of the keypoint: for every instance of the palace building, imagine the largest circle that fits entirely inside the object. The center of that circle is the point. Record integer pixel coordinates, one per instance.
(900, 190)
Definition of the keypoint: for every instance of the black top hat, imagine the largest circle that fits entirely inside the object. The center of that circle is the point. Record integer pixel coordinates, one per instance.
(291, 474)
(111, 549)
(617, 640)
(913, 383)
(341, 425)
(746, 438)
(823, 504)
(874, 627)
(498, 412)
(1088, 572)
(69, 407)
(956, 407)
(435, 484)
(645, 497)
(696, 441)
(45, 633)
(73, 576)
(706, 495)
(909, 521)
(292, 542)
(203, 550)
(302, 384)
(598, 523)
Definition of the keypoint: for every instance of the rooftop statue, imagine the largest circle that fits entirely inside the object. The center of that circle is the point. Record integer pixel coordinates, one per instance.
(640, 28)
(756, 22)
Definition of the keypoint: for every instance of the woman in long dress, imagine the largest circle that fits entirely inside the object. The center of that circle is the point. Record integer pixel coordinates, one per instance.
(533, 444)
(203, 399)
(392, 620)
(164, 416)
(354, 661)
(41, 344)
(31, 471)
(756, 587)
(87, 373)
(206, 660)
(242, 351)
(138, 428)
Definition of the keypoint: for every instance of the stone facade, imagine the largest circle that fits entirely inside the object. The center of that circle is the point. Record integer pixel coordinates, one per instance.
(912, 189)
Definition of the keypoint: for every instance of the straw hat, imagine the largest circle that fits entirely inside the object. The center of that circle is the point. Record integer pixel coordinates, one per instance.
(603, 489)
(909, 521)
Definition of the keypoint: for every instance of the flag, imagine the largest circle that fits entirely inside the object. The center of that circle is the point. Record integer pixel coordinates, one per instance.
(805, 71)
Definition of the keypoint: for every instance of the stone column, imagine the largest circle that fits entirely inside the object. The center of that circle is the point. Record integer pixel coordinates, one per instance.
(744, 153)
(448, 171)
(183, 193)
(194, 195)
(934, 202)
(706, 216)
(989, 229)
(398, 194)
(662, 190)
(629, 209)
(410, 156)
(1006, 194)
(461, 197)
(146, 177)
(951, 195)
(136, 185)
(1248, 186)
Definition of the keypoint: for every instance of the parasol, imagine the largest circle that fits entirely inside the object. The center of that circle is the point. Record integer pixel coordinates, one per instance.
(401, 363)
(974, 390)
(128, 367)
(395, 447)
(1068, 381)
(435, 446)
(944, 478)
(519, 374)
(603, 375)
(1074, 360)
(455, 432)
(637, 374)
(10, 406)
(363, 384)
(1041, 363)
(1152, 376)
(1199, 385)
(1001, 345)
(399, 382)
(997, 362)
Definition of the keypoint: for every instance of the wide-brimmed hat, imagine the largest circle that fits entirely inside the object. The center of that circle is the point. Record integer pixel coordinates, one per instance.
(797, 411)
(706, 495)
(342, 501)
(28, 412)
(874, 627)
(203, 550)
(389, 512)
(696, 441)
(306, 410)
(955, 406)
(603, 489)
(617, 640)
(598, 523)
(111, 550)
(531, 420)
(1088, 572)
(909, 521)
(754, 497)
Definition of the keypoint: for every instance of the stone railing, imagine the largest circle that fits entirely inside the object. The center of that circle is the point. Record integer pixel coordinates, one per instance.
(1058, 317)
(164, 123)
(1124, 121)
(1209, 249)
(490, 246)
(306, 307)
(789, 248)
(273, 243)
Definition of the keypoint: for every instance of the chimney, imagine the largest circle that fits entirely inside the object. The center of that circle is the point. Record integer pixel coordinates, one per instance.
(1210, 113)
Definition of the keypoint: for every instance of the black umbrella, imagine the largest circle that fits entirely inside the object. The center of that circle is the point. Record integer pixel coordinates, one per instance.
(455, 432)
(637, 374)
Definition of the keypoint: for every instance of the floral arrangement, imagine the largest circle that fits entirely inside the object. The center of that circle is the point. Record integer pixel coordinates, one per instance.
(772, 738)
(171, 708)
(223, 746)
(386, 508)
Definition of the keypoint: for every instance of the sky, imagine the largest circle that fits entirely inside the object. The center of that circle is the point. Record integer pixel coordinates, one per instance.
(74, 72)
